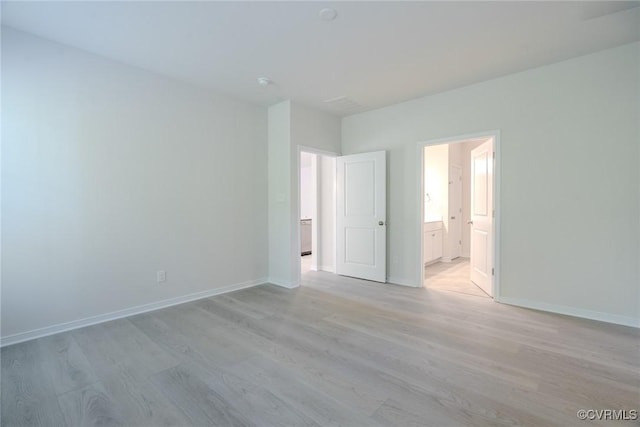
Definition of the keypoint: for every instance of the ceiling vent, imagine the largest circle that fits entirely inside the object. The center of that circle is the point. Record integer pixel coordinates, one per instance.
(344, 104)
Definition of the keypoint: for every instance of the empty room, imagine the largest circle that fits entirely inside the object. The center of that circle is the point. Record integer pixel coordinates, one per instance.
(320, 213)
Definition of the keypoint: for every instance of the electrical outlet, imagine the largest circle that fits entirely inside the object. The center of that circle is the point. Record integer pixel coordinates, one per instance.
(161, 276)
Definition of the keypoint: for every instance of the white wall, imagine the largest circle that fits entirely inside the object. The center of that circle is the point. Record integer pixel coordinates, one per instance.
(291, 127)
(455, 155)
(314, 212)
(436, 182)
(282, 210)
(307, 187)
(315, 129)
(110, 173)
(327, 213)
(569, 185)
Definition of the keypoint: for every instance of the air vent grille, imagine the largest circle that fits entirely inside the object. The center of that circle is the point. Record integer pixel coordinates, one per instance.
(344, 104)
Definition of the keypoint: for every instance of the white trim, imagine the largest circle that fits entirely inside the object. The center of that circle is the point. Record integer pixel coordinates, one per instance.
(573, 311)
(327, 268)
(497, 164)
(313, 150)
(315, 221)
(402, 282)
(283, 283)
(497, 209)
(131, 311)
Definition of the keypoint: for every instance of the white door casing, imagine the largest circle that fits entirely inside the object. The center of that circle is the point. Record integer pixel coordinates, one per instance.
(455, 211)
(482, 216)
(361, 216)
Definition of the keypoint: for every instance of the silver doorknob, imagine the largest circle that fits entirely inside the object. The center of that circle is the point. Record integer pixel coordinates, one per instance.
(470, 222)
(380, 222)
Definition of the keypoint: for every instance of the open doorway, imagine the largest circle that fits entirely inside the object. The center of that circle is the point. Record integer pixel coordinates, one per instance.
(317, 198)
(459, 218)
(308, 212)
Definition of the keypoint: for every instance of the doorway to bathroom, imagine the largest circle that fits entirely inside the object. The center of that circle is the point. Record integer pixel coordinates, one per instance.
(459, 214)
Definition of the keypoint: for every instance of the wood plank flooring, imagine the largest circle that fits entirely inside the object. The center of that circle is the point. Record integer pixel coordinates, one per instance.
(452, 276)
(336, 352)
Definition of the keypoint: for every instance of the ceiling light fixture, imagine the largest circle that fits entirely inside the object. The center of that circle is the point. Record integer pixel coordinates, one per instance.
(328, 14)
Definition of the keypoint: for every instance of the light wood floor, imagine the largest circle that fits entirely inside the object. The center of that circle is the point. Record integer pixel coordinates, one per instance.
(305, 264)
(452, 276)
(337, 351)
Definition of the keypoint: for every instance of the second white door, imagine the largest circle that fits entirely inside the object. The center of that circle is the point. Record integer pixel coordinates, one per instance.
(361, 216)
(482, 216)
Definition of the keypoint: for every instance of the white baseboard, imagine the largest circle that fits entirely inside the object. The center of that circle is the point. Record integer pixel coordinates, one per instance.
(283, 283)
(573, 311)
(87, 321)
(402, 282)
(327, 268)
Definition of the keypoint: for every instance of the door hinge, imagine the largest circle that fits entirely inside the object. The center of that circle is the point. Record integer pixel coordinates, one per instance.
(459, 242)
(493, 213)
(494, 154)
(493, 273)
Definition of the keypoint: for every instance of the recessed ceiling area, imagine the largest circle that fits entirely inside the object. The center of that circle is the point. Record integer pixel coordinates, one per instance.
(372, 54)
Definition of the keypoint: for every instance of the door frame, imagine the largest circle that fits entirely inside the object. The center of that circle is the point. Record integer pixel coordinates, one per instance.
(296, 219)
(497, 163)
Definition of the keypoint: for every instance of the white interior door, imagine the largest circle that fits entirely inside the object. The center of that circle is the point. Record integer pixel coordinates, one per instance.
(361, 205)
(455, 210)
(482, 216)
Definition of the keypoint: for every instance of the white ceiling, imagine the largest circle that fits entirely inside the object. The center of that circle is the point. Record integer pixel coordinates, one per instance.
(374, 53)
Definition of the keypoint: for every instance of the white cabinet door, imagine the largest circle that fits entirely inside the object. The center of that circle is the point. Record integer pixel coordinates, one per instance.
(361, 242)
(432, 245)
(428, 246)
(437, 244)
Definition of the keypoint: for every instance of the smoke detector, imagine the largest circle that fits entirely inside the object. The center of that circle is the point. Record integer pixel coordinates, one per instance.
(328, 14)
(264, 81)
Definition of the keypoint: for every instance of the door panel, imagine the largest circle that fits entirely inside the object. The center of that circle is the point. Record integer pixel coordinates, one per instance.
(482, 216)
(359, 193)
(360, 246)
(361, 216)
(479, 260)
(480, 183)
